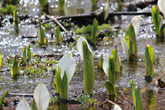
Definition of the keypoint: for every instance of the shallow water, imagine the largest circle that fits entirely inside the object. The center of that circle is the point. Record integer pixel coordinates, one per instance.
(11, 44)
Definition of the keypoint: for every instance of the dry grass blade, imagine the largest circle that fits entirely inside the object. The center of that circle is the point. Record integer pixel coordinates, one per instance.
(60, 25)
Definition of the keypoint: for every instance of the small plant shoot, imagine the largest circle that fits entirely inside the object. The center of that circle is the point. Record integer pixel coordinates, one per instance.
(2, 99)
(87, 56)
(44, 5)
(61, 5)
(94, 31)
(42, 41)
(64, 74)
(120, 6)
(109, 69)
(58, 36)
(106, 10)
(129, 43)
(158, 21)
(16, 21)
(137, 98)
(15, 71)
(149, 59)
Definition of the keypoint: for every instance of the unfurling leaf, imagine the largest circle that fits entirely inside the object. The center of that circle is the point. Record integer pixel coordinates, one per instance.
(149, 58)
(89, 74)
(137, 99)
(94, 30)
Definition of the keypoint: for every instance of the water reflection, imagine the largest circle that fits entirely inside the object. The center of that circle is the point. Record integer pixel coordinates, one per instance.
(150, 99)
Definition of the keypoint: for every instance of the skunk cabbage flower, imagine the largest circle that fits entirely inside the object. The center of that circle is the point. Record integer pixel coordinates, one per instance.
(136, 23)
(106, 63)
(80, 48)
(23, 105)
(161, 5)
(125, 46)
(41, 96)
(87, 56)
(68, 64)
(117, 107)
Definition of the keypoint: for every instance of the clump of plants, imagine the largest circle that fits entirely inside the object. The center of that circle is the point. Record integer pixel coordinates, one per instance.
(27, 55)
(129, 43)
(63, 75)
(8, 9)
(87, 101)
(158, 19)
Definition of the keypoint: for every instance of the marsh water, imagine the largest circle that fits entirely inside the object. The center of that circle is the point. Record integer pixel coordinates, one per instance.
(11, 44)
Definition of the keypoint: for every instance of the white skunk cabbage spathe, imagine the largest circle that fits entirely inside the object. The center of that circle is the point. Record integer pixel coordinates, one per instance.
(68, 64)
(80, 48)
(125, 46)
(136, 23)
(23, 105)
(161, 5)
(117, 107)
(41, 96)
(106, 63)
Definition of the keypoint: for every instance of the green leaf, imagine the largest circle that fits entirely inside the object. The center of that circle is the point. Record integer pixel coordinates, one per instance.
(24, 55)
(139, 103)
(89, 74)
(133, 92)
(61, 5)
(58, 36)
(156, 18)
(43, 3)
(149, 58)
(15, 68)
(33, 106)
(120, 6)
(101, 62)
(58, 81)
(111, 70)
(29, 54)
(130, 34)
(16, 20)
(41, 33)
(110, 88)
(65, 86)
(94, 30)
(2, 99)
(116, 58)
(137, 99)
